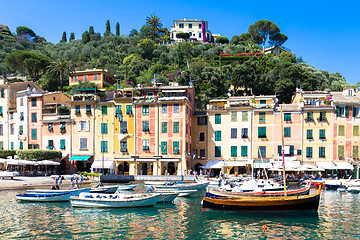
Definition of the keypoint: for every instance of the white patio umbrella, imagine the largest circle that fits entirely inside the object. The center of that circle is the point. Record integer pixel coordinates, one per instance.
(48, 163)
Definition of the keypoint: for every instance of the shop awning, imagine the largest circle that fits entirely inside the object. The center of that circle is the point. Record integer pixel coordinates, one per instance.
(100, 164)
(79, 158)
(124, 159)
(235, 164)
(213, 164)
(261, 164)
(326, 165)
(343, 166)
(146, 159)
(169, 159)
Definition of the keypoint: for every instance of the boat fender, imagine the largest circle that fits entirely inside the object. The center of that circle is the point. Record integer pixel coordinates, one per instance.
(264, 228)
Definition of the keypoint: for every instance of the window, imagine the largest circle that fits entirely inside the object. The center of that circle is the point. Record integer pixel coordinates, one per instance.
(176, 108)
(104, 110)
(164, 127)
(217, 118)
(322, 117)
(244, 151)
(341, 130)
(12, 145)
(104, 128)
(190, 25)
(234, 133)
(163, 147)
(199, 34)
(21, 116)
(309, 134)
(50, 127)
(33, 117)
(356, 111)
(233, 116)
(33, 134)
(145, 126)
(322, 134)
(287, 132)
(83, 126)
(145, 110)
(164, 108)
(21, 102)
(77, 109)
(1, 129)
(262, 152)
(261, 132)
(202, 153)
(123, 127)
(310, 117)
(355, 151)
(88, 109)
(145, 145)
(95, 77)
(181, 25)
(233, 151)
(62, 144)
(262, 116)
(50, 144)
(12, 128)
(217, 151)
(321, 152)
(176, 149)
(309, 152)
(33, 102)
(262, 102)
(202, 120)
(75, 79)
(11, 115)
(21, 145)
(342, 111)
(199, 25)
(83, 143)
(123, 146)
(3, 93)
(104, 146)
(217, 135)
(128, 109)
(355, 130)
(187, 128)
(287, 117)
(176, 127)
(1, 111)
(85, 78)
(341, 151)
(202, 137)
(244, 133)
(21, 130)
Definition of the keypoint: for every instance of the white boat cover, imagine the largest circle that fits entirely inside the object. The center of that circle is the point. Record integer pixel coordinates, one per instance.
(343, 165)
(99, 164)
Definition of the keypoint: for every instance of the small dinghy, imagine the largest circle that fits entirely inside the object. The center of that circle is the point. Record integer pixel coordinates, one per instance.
(44, 197)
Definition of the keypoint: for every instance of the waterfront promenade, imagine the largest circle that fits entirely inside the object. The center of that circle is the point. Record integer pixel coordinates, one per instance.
(19, 183)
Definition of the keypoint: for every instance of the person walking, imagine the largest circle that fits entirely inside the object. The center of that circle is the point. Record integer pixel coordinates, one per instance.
(81, 180)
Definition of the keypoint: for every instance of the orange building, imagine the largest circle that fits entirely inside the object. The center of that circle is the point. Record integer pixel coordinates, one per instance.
(98, 76)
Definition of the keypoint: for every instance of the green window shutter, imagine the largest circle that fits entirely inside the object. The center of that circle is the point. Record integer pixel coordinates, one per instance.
(104, 146)
(346, 111)
(77, 109)
(1, 111)
(356, 130)
(262, 118)
(234, 116)
(262, 152)
(322, 134)
(287, 132)
(287, 117)
(104, 109)
(145, 126)
(164, 147)
(279, 150)
(21, 146)
(263, 102)
(217, 135)
(2, 93)
(104, 128)
(337, 111)
(341, 151)
(118, 109)
(164, 127)
(244, 116)
(355, 151)
(341, 130)
(322, 116)
(33, 134)
(233, 151)
(310, 117)
(128, 109)
(176, 127)
(62, 144)
(176, 149)
(145, 110)
(309, 134)
(309, 152)
(321, 152)
(21, 130)
(261, 132)
(244, 150)
(217, 118)
(217, 151)
(88, 108)
(291, 150)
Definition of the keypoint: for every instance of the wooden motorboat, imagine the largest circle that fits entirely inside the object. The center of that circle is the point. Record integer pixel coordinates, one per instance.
(73, 192)
(213, 192)
(114, 200)
(44, 197)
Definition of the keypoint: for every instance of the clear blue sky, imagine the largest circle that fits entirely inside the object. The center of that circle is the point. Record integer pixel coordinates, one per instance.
(324, 33)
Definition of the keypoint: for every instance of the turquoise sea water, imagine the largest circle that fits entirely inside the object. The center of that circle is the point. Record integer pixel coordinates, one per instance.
(338, 218)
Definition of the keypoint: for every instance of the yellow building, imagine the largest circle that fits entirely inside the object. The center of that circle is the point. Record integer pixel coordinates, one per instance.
(199, 139)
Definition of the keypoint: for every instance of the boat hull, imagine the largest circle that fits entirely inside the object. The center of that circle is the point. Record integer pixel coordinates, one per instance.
(185, 186)
(114, 203)
(73, 192)
(58, 197)
(296, 203)
(126, 187)
(105, 189)
(167, 197)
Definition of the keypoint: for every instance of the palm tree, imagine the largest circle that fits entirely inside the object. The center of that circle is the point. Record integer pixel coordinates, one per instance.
(155, 23)
(62, 67)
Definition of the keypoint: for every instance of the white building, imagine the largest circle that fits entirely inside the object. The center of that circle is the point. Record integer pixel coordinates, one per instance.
(198, 30)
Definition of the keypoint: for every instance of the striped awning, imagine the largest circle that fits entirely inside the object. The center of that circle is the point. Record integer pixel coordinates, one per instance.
(80, 158)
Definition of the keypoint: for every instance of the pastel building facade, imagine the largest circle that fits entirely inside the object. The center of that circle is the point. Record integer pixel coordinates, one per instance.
(198, 30)
(199, 139)
(98, 76)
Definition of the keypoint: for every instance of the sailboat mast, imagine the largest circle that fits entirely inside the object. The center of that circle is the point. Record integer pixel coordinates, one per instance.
(283, 150)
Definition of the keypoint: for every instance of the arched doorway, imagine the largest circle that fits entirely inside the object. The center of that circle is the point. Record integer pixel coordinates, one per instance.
(123, 168)
(171, 168)
(197, 167)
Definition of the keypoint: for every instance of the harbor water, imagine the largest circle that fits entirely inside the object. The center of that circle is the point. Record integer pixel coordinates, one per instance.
(338, 218)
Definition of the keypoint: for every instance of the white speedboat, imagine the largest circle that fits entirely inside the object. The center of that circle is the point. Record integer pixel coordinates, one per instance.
(114, 200)
(126, 187)
(44, 197)
(184, 186)
(104, 189)
(73, 192)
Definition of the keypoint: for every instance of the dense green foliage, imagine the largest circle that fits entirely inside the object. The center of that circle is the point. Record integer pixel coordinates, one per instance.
(7, 153)
(215, 70)
(38, 155)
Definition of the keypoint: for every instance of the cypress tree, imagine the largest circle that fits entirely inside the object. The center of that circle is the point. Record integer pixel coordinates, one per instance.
(91, 30)
(63, 37)
(117, 29)
(107, 32)
(72, 37)
(86, 37)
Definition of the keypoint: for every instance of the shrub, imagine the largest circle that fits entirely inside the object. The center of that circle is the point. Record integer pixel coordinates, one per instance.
(7, 153)
(38, 155)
